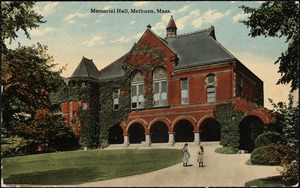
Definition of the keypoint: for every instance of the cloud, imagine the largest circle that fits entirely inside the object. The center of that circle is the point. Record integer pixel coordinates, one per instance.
(126, 40)
(210, 16)
(48, 9)
(71, 17)
(42, 32)
(184, 8)
(140, 4)
(93, 41)
(194, 18)
(239, 16)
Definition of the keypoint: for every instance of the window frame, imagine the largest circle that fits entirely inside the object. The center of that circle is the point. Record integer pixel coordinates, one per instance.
(138, 85)
(118, 97)
(160, 92)
(187, 91)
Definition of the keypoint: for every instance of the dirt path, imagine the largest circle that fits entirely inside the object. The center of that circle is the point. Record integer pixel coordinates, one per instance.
(219, 170)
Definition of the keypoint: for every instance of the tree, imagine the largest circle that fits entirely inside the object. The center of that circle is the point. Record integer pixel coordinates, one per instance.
(16, 15)
(49, 130)
(279, 19)
(229, 118)
(287, 117)
(27, 82)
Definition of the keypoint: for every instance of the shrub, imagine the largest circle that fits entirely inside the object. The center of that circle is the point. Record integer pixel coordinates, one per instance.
(267, 138)
(226, 150)
(290, 166)
(12, 146)
(273, 153)
(257, 157)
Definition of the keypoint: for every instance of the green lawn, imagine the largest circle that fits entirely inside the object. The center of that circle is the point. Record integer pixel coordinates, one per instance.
(274, 181)
(77, 167)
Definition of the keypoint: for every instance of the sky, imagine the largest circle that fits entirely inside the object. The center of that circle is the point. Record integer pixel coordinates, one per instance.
(72, 31)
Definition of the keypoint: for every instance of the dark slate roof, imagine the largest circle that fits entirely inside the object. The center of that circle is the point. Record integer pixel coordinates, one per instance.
(86, 69)
(198, 48)
(194, 49)
(114, 69)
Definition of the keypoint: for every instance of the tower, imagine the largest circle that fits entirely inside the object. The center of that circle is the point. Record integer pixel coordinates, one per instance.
(171, 28)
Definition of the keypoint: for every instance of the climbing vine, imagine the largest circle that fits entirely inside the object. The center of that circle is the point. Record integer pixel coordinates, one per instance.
(87, 90)
(144, 58)
(229, 118)
(108, 115)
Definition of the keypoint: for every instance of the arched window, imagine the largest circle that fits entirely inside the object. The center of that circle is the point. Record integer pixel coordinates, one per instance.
(137, 91)
(160, 87)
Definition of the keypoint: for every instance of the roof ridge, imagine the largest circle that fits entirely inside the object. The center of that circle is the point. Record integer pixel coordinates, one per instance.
(195, 32)
(114, 62)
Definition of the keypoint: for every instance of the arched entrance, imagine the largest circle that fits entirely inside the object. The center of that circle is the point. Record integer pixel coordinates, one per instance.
(184, 131)
(115, 135)
(136, 133)
(159, 132)
(250, 127)
(210, 130)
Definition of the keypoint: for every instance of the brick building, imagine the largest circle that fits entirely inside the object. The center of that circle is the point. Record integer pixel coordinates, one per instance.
(175, 84)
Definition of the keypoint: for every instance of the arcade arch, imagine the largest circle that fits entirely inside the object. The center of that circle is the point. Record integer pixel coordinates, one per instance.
(210, 130)
(115, 135)
(136, 133)
(250, 127)
(184, 131)
(159, 132)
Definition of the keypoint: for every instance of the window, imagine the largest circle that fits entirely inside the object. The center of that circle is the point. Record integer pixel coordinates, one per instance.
(84, 106)
(211, 87)
(211, 94)
(211, 79)
(137, 91)
(242, 87)
(160, 87)
(184, 91)
(116, 96)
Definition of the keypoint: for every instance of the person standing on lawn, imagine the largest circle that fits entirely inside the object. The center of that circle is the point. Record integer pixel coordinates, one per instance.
(201, 156)
(186, 155)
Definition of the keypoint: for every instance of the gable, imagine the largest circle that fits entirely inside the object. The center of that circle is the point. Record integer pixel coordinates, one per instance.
(150, 50)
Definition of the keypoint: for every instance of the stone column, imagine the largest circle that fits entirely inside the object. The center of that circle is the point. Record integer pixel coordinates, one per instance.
(197, 138)
(126, 140)
(148, 140)
(171, 139)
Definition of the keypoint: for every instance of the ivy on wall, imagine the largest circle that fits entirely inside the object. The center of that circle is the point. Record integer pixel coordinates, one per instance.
(144, 58)
(229, 118)
(87, 90)
(102, 116)
(89, 136)
(108, 115)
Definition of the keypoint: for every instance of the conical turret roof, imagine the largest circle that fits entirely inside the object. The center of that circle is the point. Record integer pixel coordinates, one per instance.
(171, 24)
(86, 69)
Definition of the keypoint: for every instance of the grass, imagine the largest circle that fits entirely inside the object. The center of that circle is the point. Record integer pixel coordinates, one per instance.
(274, 181)
(76, 167)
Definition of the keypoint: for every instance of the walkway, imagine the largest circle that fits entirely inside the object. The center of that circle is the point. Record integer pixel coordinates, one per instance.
(220, 170)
